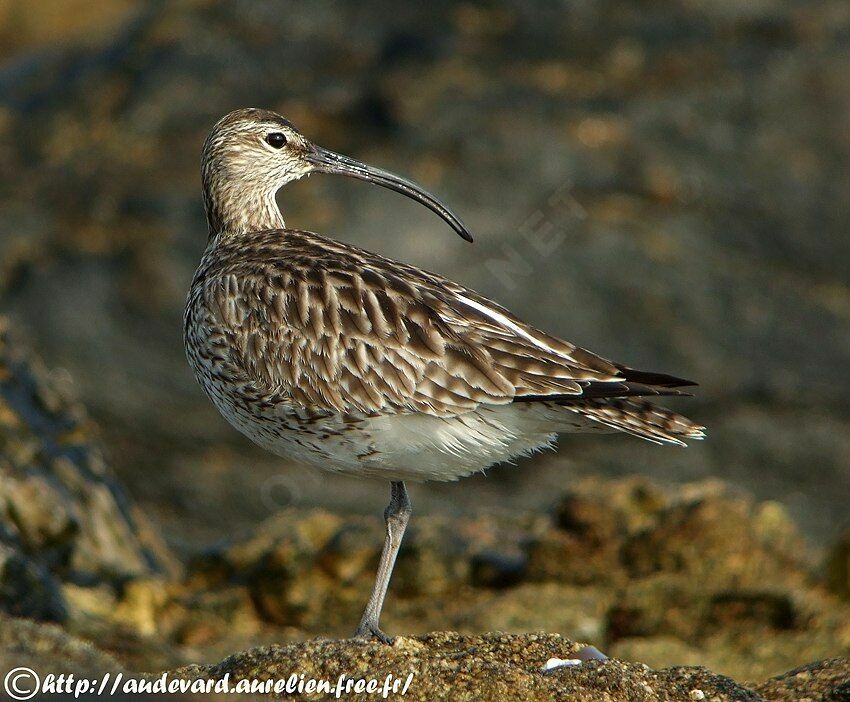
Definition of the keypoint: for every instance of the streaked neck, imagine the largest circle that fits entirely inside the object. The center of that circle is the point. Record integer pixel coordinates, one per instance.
(232, 211)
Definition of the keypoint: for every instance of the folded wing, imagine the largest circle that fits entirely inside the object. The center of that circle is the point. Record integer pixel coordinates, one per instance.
(335, 328)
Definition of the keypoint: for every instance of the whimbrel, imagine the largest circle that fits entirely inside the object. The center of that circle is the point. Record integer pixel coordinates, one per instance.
(343, 359)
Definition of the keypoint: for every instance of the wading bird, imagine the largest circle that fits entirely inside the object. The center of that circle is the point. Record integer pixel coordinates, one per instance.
(340, 358)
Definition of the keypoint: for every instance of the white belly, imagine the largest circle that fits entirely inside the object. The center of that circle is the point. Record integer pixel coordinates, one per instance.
(411, 447)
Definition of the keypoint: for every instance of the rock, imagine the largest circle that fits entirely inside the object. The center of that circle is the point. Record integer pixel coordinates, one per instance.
(28, 589)
(838, 567)
(497, 569)
(717, 539)
(486, 667)
(63, 516)
(825, 681)
(48, 648)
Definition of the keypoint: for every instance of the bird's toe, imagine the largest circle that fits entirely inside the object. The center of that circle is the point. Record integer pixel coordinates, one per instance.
(371, 632)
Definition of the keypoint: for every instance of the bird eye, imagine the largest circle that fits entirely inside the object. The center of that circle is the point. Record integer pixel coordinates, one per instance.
(276, 140)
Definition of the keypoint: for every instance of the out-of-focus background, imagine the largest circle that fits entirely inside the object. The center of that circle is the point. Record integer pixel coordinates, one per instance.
(665, 183)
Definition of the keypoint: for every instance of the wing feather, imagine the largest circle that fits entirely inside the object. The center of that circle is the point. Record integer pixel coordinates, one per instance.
(343, 330)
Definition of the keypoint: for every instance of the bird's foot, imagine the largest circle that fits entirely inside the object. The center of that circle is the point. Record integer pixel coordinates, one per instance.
(368, 632)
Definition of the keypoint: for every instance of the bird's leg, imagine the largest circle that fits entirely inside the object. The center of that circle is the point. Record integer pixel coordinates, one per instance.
(396, 516)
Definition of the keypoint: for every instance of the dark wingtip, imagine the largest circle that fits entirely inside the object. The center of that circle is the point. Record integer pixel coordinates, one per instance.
(605, 391)
(649, 378)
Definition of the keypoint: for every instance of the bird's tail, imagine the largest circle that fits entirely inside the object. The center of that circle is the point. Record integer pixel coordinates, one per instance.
(639, 418)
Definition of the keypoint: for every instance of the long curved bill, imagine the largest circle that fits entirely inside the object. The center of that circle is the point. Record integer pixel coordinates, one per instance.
(325, 161)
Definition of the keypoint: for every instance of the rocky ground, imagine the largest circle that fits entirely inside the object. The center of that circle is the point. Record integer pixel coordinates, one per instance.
(447, 666)
(687, 589)
(503, 666)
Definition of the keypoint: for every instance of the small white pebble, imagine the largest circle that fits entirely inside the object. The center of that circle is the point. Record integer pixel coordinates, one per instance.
(697, 695)
(553, 663)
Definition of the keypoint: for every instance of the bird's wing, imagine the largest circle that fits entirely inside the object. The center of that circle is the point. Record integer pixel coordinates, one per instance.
(336, 328)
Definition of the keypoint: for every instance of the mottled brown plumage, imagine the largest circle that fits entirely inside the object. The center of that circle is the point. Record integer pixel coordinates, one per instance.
(338, 329)
(356, 363)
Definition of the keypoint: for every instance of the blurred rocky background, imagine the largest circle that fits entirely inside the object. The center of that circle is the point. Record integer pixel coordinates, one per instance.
(664, 182)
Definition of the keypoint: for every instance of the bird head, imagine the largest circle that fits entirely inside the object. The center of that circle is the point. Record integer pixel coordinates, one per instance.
(251, 153)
